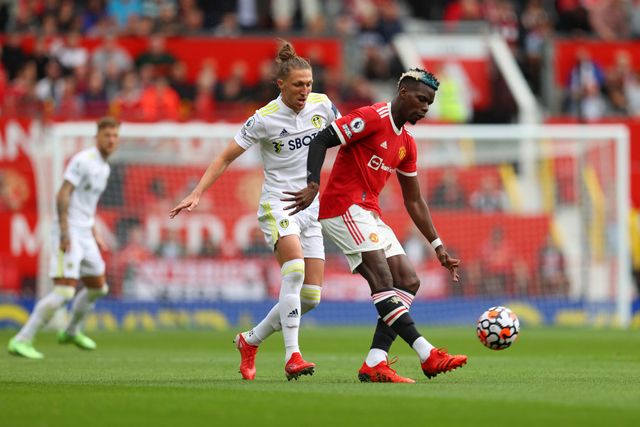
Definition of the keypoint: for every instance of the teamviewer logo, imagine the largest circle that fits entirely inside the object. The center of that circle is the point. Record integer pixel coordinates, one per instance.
(375, 162)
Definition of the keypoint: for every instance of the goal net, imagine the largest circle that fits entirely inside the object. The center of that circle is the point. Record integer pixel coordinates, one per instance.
(537, 214)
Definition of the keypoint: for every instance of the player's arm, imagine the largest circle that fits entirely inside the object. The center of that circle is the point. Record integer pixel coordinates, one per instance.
(63, 198)
(102, 245)
(419, 212)
(213, 172)
(325, 139)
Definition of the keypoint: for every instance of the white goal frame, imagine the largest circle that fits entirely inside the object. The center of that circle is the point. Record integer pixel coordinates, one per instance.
(55, 153)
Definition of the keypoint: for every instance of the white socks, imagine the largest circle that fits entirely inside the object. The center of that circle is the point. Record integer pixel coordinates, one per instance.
(44, 311)
(83, 304)
(292, 273)
(309, 299)
(375, 356)
(422, 347)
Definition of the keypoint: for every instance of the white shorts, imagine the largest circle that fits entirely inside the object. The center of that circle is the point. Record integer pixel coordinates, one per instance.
(81, 260)
(275, 222)
(359, 230)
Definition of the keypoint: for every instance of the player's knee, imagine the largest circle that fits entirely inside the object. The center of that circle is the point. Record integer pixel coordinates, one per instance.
(410, 284)
(310, 297)
(95, 293)
(292, 273)
(64, 291)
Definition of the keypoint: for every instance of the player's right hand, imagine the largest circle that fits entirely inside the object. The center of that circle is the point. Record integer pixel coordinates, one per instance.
(189, 203)
(449, 263)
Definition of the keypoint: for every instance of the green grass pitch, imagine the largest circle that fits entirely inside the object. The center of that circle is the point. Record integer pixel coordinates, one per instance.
(189, 378)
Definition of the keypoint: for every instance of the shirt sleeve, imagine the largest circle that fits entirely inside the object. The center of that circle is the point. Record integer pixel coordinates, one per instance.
(75, 170)
(408, 165)
(251, 133)
(357, 124)
(334, 113)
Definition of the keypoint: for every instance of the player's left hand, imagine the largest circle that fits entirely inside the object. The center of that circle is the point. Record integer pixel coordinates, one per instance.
(449, 263)
(301, 199)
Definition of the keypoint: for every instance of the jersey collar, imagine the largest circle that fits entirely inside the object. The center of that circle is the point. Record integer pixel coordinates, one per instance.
(393, 124)
(287, 108)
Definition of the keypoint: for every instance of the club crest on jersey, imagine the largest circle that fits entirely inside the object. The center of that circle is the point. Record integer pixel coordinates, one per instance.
(402, 153)
(250, 122)
(357, 125)
(284, 223)
(316, 121)
(374, 237)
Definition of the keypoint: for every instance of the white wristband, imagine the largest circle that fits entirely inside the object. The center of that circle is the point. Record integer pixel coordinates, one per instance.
(436, 243)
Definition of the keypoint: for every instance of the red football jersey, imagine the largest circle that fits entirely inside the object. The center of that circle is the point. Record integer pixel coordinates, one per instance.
(372, 148)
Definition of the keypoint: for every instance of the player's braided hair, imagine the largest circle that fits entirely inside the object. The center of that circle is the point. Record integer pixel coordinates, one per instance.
(423, 76)
(287, 60)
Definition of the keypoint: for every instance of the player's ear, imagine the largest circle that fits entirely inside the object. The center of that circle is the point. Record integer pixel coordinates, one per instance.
(280, 83)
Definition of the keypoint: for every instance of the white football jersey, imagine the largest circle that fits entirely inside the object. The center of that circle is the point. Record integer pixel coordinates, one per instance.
(88, 172)
(284, 138)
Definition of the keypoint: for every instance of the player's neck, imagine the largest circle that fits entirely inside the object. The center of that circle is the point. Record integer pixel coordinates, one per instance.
(290, 107)
(104, 155)
(395, 114)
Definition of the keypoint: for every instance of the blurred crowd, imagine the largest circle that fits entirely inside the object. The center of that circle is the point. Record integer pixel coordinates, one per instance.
(59, 77)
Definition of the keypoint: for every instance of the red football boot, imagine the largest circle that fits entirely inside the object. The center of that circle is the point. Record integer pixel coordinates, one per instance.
(381, 373)
(297, 366)
(247, 357)
(440, 361)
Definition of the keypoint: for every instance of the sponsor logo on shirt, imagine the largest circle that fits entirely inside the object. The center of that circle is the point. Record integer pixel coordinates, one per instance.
(300, 142)
(376, 163)
(357, 125)
(277, 146)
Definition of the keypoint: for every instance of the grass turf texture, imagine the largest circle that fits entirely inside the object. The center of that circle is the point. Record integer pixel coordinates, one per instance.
(189, 378)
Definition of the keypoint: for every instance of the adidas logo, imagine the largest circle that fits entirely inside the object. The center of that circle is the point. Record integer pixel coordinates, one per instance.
(284, 132)
(293, 313)
(384, 145)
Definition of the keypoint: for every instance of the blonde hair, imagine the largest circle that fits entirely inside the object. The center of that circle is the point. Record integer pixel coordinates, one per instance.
(287, 60)
(107, 122)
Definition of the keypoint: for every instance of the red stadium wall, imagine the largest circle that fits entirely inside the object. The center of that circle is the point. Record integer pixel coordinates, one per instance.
(19, 245)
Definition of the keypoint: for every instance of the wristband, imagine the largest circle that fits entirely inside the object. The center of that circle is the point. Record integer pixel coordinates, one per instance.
(436, 243)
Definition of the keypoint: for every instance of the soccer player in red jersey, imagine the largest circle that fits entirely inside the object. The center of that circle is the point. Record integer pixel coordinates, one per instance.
(375, 144)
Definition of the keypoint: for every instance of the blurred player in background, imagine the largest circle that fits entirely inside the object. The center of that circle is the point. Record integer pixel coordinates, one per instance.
(374, 145)
(283, 129)
(76, 255)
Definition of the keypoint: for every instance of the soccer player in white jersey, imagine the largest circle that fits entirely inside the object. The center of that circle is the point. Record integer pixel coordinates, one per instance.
(283, 129)
(76, 246)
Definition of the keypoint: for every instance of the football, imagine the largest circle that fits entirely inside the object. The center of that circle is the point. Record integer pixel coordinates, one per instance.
(498, 328)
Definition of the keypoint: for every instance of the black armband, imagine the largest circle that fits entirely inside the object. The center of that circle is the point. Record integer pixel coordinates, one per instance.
(326, 138)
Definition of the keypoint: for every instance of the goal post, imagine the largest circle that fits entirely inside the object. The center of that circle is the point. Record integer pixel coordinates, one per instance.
(559, 225)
